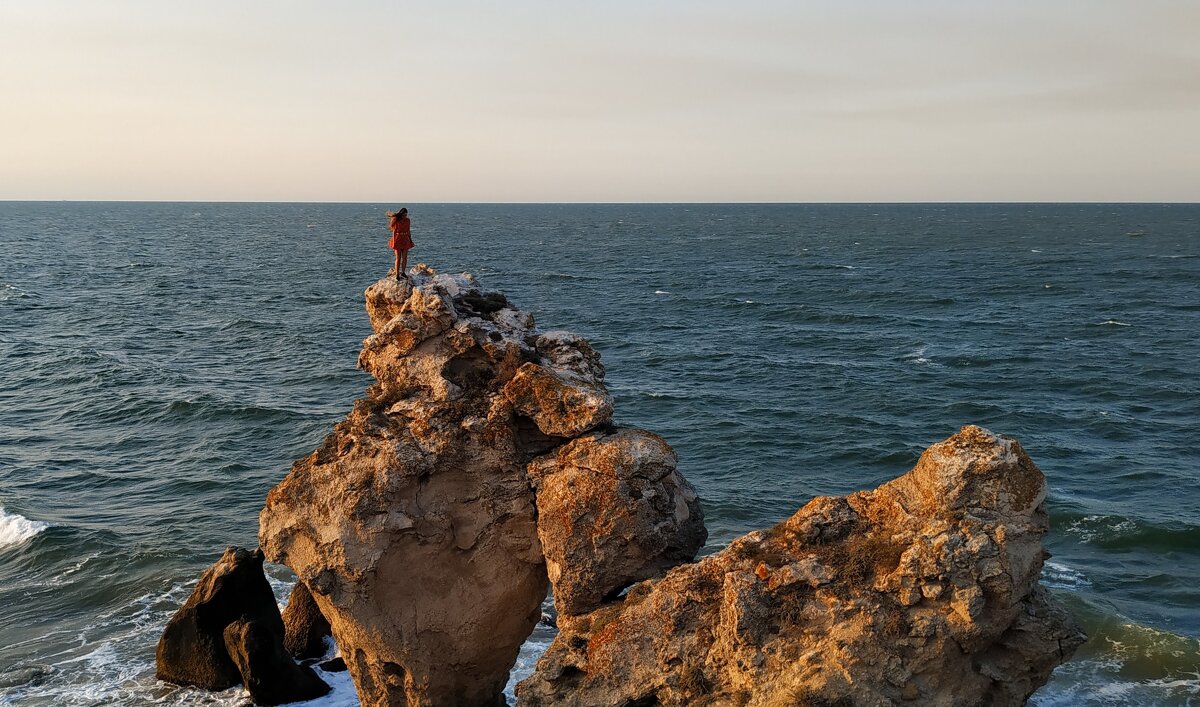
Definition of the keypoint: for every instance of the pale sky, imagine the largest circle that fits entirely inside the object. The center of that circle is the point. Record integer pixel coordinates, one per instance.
(827, 100)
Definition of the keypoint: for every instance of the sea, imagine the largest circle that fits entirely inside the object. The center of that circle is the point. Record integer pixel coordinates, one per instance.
(162, 364)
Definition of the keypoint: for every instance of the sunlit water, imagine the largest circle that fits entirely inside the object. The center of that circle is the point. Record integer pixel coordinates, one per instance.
(162, 364)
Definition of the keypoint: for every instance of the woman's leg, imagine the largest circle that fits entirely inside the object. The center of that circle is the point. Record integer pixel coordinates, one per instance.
(397, 267)
(403, 254)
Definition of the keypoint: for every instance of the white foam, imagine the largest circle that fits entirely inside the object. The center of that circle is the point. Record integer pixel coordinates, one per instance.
(1113, 322)
(1059, 576)
(341, 694)
(1099, 527)
(661, 292)
(16, 529)
(919, 358)
(9, 291)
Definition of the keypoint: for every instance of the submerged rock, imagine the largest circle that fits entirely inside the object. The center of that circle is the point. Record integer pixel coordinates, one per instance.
(229, 631)
(415, 525)
(923, 591)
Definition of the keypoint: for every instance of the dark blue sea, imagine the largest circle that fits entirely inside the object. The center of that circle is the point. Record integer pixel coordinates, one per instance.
(161, 365)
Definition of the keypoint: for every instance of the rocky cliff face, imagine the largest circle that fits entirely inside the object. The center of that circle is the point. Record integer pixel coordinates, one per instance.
(416, 527)
(482, 465)
(923, 591)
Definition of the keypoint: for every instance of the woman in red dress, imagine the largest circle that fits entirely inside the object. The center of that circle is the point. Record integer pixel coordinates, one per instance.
(401, 240)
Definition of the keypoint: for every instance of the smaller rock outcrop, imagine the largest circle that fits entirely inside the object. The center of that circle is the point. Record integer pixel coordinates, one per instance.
(922, 591)
(305, 629)
(612, 510)
(229, 631)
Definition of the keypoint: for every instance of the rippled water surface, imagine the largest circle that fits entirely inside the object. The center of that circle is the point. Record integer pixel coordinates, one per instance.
(162, 364)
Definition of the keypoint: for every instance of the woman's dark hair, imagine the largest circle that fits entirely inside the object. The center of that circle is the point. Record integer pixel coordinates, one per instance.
(404, 212)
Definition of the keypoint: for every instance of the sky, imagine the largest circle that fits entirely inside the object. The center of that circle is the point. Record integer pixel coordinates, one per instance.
(565, 101)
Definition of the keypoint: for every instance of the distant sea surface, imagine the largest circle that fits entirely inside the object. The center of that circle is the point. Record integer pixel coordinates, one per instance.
(162, 364)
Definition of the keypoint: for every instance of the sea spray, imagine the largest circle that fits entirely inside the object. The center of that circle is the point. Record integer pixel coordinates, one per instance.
(16, 529)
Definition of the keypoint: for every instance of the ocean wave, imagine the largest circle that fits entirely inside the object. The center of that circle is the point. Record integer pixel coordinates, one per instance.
(208, 408)
(831, 266)
(1117, 533)
(919, 358)
(1059, 576)
(1126, 663)
(9, 291)
(16, 529)
(1113, 322)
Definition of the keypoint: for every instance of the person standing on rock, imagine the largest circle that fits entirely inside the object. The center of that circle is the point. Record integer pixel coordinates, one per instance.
(401, 240)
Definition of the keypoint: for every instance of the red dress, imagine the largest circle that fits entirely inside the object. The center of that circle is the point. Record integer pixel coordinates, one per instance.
(401, 235)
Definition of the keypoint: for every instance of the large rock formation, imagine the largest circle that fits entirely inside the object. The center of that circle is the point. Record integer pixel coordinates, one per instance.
(229, 631)
(415, 526)
(923, 591)
(482, 465)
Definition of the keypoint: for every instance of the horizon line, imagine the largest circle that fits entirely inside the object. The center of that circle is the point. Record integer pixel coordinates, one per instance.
(600, 203)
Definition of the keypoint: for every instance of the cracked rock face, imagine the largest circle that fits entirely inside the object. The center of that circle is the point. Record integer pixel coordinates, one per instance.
(612, 510)
(415, 525)
(922, 591)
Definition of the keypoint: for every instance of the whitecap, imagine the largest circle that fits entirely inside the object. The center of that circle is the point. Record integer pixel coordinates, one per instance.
(16, 529)
(1099, 527)
(918, 357)
(661, 292)
(1113, 322)
(1059, 576)
(1034, 250)
(8, 291)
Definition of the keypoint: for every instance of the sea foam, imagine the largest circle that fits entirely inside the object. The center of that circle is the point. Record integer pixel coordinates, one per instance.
(16, 529)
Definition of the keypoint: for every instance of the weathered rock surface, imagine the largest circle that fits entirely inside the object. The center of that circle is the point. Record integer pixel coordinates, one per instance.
(415, 526)
(229, 631)
(483, 464)
(303, 626)
(922, 591)
(612, 510)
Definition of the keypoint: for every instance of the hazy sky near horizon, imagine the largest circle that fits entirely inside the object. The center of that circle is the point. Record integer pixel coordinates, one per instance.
(825, 100)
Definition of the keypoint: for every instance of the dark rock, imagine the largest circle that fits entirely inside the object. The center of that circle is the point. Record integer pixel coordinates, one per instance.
(268, 672)
(191, 650)
(304, 627)
(229, 631)
(333, 665)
